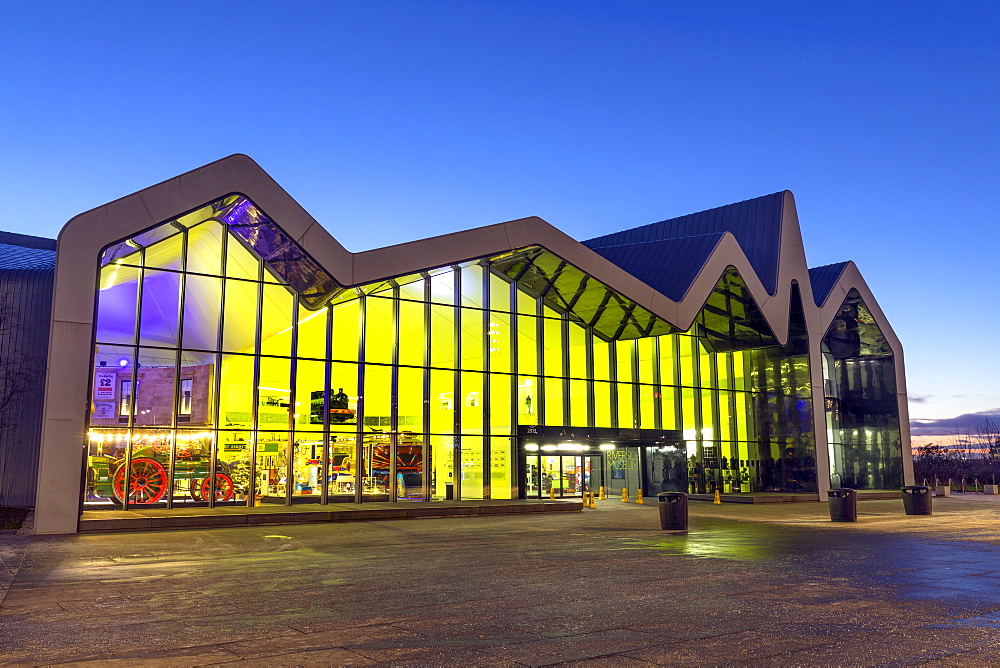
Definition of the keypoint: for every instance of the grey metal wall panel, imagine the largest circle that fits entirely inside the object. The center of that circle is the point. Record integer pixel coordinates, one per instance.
(26, 289)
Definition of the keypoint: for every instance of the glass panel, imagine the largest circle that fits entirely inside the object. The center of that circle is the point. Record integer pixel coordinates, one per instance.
(442, 336)
(202, 311)
(472, 403)
(160, 301)
(442, 402)
(577, 351)
(192, 483)
(240, 316)
(578, 402)
(380, 330)
(687, 352)
(148, 479)
(647, 360)
(624, 351)
(602, 405)
(377, 407)
(499, 340)
(275, 394)
(240, 263)
(602, 359)
(307, 466)
(411, 399)
(272, 467)
(310, 377)
(667, 360)
(527, 399)
(472, 286)
(343, 397)
(668, 414)
(553, 357)
(500, 404)
(276, 321)
(553, 401)
(312, 333)
(442, 467)
(501, 468)
(472, 339)
(205, 248)
(166, 254)
(647, 419)
(105, 458)
(377, 449)
(412, 342)
(472, 467)
(342, 466)
(116, 304)
(197, 389)
(410, 467)
(443, 287)
(346, 327)
(527, 349)
(499, 293)
(411, 289)
(626, 410)
(526, 304)
(154, 383)
(237, 392)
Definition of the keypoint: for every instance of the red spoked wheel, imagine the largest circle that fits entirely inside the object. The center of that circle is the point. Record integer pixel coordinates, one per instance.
(224, 488)
(147, 482)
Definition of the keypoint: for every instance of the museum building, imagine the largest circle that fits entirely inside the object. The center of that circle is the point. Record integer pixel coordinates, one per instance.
(211, 345)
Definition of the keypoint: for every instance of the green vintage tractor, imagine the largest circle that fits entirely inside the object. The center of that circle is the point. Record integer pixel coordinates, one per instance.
(149, 479)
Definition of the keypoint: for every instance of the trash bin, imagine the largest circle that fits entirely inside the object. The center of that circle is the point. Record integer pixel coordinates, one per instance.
(843, 505)
(917, 500)
(673, 511)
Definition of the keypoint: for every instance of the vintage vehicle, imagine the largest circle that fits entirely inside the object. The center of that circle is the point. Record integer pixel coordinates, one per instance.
(149, 478)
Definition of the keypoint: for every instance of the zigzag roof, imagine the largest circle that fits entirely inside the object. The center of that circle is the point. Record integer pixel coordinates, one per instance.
(667, 268)
(756, 224)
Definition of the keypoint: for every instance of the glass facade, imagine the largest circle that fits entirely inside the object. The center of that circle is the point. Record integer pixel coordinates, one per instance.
(862, 418)
(230, 368)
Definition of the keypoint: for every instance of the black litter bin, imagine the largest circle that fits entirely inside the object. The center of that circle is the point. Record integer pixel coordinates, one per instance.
(843, 505)
(917, 500)
(673, 510)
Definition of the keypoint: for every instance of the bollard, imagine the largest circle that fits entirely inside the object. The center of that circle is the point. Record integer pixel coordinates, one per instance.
(673, 508)
(638, 497)
(552, 493)
(601, 497)
(916, 500)
(625, 494)
(843, 505)
(718, 498)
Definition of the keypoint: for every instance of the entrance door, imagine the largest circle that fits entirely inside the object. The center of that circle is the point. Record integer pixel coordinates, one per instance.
(566, 476)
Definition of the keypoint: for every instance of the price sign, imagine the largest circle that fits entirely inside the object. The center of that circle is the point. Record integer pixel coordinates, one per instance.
(104, 385)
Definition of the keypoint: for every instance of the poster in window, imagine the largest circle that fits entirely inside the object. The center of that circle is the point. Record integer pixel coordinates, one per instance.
(104, 410)
(104, 385)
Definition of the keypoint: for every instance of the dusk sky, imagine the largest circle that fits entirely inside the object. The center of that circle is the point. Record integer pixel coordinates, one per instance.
(391, 121)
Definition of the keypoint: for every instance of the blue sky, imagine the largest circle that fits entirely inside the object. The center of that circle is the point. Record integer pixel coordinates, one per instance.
(391, 121)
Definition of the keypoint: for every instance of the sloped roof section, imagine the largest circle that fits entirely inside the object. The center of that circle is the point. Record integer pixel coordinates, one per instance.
(756, 224)
(23, 251)
(823, 279)
(669, 266)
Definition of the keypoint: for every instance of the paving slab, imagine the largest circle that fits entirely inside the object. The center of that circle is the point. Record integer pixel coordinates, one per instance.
(749, 584)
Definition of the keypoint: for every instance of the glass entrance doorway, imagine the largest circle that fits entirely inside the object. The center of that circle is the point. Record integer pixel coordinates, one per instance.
(563, 475)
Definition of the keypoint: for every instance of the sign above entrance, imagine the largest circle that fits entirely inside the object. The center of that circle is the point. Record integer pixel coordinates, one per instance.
(601, 433)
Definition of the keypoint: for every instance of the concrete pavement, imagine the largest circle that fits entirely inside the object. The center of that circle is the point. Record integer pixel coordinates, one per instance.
(749, 584)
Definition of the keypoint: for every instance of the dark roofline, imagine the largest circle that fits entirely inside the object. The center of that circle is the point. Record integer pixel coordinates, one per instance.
(27, 241)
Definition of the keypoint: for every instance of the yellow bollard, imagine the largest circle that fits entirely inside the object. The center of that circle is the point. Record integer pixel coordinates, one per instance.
(625, 494)
(601, 497)
(638, 497)
(718, 499)
(552, 493)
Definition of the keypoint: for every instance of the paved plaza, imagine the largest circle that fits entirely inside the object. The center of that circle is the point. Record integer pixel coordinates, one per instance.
(749, 584)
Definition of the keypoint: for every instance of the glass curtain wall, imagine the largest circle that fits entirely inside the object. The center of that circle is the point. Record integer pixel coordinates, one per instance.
(862, 413)
(230, 369)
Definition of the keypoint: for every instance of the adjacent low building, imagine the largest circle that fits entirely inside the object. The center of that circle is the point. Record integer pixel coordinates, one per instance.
(213, 345)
